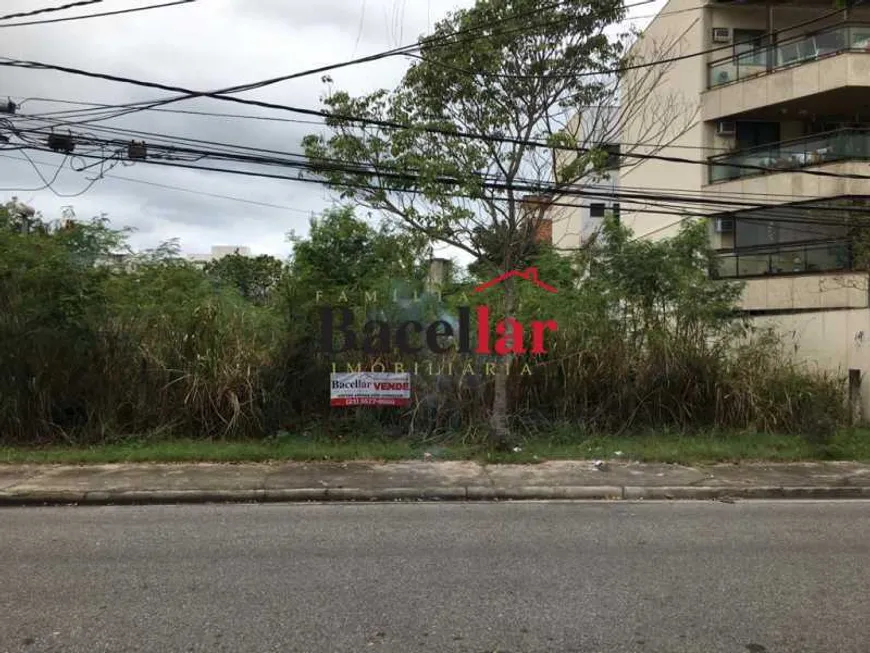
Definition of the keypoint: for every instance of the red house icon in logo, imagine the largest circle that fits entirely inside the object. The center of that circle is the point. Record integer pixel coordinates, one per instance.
(529, 274)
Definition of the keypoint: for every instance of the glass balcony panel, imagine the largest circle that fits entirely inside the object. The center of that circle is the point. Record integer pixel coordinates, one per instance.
(859, 38)
(827, 257)
(726, 266)
(829, 42)
(847, 144)
(721, 73)
(750, 265)
(810, 257)
(750, 60)
(788, 260)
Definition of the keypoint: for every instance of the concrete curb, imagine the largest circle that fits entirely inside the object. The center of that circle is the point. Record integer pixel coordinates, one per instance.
(471, 493)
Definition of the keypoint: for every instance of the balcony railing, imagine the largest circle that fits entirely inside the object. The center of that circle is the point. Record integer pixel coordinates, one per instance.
(852, 37)
(839, 145)
(830, 256)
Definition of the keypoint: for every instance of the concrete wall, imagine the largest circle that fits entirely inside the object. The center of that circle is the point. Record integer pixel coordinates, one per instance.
(797, 185)
(802, 292)
(572, 222)
(829, 328)
(846, 69)
(827, 341)
(566, 214)
(669, 103)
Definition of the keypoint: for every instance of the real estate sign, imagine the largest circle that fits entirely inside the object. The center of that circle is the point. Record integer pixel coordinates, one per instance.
(370, 389)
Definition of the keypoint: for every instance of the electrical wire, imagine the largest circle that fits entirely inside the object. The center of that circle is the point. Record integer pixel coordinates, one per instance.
(182, 189)
(368, 121)
(685, 215)
(395, 125)
(661, 200)
(431, 42)
(243, 116)
(661, 209)
(437, 41)
(299, 161)
(47, 10)
(50, 184)
(249, 154)
(98, 15)
(617, 70)
(355, 169)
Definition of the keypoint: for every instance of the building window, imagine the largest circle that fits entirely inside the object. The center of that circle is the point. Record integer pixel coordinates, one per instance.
(596, 210)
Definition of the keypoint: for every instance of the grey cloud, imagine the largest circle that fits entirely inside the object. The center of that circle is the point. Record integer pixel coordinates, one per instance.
(202, 46)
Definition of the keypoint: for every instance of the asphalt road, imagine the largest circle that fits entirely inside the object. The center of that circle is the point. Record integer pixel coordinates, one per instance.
(582, 577)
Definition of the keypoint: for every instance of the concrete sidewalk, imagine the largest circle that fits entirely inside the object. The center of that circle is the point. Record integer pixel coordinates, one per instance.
(409, 481)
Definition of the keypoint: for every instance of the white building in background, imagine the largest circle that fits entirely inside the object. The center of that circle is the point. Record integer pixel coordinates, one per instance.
(577, 218)
(771, 91)
(577, 214)
(218, 252)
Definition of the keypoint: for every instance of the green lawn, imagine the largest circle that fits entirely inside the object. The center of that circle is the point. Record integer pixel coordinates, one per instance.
(847, 445)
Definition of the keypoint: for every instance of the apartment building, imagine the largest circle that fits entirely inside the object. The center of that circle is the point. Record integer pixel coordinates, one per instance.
(780, 152)
(218, 252)
(578, 213)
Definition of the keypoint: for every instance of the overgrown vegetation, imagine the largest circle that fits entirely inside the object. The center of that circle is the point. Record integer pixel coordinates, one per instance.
(98, 349)
(506, 98)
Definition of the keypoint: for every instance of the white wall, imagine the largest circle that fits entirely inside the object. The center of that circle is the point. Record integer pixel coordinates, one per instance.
(667, 101)
(573, 225)
(828, 341)
(219, 251)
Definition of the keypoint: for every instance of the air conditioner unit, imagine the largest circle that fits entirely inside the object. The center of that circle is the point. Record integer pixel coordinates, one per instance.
(726, 128)
(724, 225)
(721, 35)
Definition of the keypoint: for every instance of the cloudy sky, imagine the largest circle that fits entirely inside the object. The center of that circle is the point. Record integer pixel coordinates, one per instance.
(203, 45)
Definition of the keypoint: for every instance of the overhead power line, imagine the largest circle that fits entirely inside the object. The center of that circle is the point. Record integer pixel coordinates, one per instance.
(101, 106)
(186, 93)
(48, 10)
(407, 49)
(278, 157)
(445, 40)
(658, 210)
(404, 181)
(388, 124)
(117, 12)
(181, 189)
(664, 209)
(659, 207)
(298, 161)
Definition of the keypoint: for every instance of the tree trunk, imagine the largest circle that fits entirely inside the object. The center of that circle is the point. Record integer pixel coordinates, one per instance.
(499, 425)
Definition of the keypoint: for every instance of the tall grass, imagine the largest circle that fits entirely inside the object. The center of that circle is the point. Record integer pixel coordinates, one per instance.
(91, 354)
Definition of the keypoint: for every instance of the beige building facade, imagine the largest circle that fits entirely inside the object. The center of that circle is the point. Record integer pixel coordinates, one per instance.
(778, 157)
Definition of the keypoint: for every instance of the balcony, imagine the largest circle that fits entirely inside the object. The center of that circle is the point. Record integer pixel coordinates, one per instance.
(839, 145)
(796, 51)
(788, 259)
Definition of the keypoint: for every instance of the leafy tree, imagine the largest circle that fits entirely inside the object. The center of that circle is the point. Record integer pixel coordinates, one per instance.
(344, 253)
(255, 277)
(481, 119)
